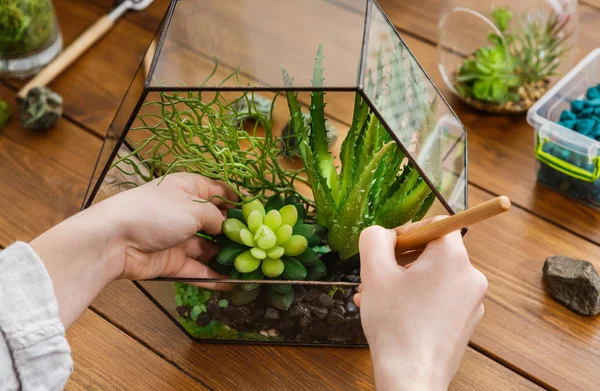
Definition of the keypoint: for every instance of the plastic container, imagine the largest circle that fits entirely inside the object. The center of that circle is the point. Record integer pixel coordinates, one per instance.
(29, 37)
(225, 73)
(467, 27)
(569, 162)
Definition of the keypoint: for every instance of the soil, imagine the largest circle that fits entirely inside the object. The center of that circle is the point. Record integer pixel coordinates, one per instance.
(318, 314)
(529, 94)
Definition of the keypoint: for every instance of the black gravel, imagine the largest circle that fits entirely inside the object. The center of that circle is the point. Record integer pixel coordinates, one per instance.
(314, 315)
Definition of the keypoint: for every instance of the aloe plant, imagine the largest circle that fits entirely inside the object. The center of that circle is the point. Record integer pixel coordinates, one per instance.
(375, 184)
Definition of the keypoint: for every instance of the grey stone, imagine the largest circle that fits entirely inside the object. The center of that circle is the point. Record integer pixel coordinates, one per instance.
(335, 319)
(340, 310)
(203, 319)
(319, 312)
(272, 314)
(305, 320)
(573, 283)
(351, 307)
(40, 109)
(325, 301)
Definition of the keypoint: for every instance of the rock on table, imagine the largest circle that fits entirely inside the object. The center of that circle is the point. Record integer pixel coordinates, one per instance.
(574, 283)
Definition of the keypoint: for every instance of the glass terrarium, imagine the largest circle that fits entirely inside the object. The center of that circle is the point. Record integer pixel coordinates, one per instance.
(500, 56)
(29, 36)
(322, 121)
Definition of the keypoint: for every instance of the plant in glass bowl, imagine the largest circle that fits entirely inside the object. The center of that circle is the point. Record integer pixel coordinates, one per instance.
(524, 51)
(289, 247)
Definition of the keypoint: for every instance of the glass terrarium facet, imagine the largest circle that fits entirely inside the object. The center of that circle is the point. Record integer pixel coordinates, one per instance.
(321, 128)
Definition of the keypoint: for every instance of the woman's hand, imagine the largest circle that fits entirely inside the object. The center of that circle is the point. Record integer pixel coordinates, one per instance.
(158, 222)
(142, 233)
(417, 320)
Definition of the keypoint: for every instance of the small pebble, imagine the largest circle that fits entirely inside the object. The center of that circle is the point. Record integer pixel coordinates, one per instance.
(312, 294)
(41, 109)
(325, 301)
(340, 310)
(577, 106)
(567, 115)
(335, 319)
(351, 308)
(593, 92)
(319, 312)
(272, 314)
(586, 113)
(570, 123)
(305, 320)
(585, 126)
(203, 319)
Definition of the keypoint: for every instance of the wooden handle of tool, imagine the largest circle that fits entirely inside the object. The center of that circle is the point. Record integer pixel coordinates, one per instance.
(149, 56)
(419, 237)
(69, 55)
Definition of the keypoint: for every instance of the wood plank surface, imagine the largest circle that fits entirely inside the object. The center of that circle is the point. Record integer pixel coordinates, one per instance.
(43, 175)
(107, 359)
(270, 367)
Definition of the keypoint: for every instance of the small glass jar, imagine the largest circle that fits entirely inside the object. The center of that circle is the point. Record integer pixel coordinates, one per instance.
(29, 36)
(500, 56)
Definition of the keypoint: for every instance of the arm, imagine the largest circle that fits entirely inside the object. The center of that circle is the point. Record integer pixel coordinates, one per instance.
(142, 233)
(417, 320)
(139, 234)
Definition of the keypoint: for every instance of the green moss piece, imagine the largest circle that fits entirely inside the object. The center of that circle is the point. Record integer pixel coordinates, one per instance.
(216, 330)
(334, 289)
(5, 112)
(25, 26)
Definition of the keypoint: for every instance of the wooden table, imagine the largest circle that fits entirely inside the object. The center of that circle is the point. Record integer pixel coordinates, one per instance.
(525, 341)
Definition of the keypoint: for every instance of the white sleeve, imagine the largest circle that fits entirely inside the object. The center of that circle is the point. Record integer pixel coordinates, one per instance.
(34, 353)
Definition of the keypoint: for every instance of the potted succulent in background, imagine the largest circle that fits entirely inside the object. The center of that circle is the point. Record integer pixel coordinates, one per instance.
(514, 68)
(29, 36)
(289, 246)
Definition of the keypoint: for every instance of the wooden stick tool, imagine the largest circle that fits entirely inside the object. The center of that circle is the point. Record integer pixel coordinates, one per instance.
(419, 237)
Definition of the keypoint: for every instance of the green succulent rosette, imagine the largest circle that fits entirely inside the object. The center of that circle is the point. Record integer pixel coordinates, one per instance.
(269, 241)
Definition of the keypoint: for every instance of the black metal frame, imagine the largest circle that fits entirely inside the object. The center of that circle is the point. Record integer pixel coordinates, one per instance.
(93, 188)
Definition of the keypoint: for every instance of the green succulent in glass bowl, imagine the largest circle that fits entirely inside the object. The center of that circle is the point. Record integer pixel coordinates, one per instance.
(270, 241)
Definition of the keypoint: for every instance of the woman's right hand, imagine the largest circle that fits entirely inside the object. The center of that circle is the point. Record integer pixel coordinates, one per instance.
(417, 320)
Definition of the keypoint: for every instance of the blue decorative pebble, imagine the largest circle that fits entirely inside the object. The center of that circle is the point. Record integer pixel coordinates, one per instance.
(564, 155)
(593, 92)
(586, 113)
(577, 106)
(568, 123)
(592, 103)
(585, 126)
(567, 115)
(584, 118)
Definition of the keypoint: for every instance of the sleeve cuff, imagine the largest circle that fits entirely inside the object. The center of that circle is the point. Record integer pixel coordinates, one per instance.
(29, 320)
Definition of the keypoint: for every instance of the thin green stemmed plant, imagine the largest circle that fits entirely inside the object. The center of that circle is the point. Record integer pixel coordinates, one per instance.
(202, 134)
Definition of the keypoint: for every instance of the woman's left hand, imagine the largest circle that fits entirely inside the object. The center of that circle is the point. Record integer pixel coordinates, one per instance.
(143, 233)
